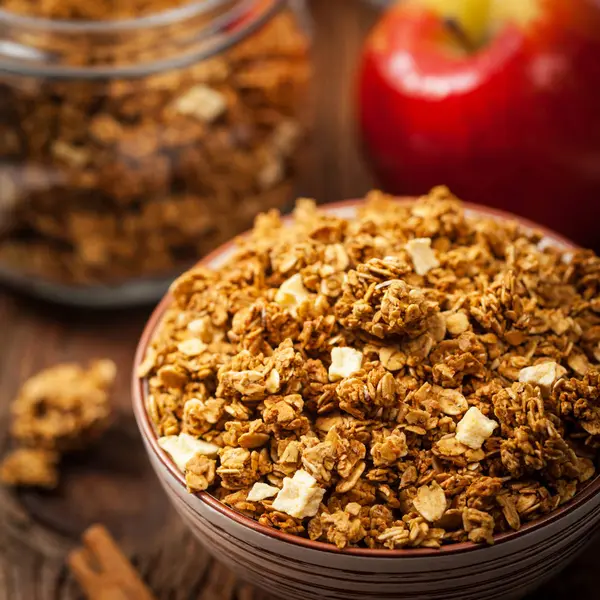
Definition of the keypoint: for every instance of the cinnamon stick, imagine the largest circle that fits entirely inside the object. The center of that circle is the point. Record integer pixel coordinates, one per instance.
(103, 571)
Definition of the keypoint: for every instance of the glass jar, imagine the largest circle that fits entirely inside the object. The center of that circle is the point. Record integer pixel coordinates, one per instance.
(129, 148)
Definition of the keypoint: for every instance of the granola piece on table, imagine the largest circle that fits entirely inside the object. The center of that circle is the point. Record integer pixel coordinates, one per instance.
(30, 467)
(60, 409)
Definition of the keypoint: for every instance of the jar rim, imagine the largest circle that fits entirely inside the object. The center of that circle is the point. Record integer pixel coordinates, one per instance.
(165, 17)
(225, 30)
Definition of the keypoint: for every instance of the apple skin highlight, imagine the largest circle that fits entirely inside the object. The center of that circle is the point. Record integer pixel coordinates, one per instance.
(514, 123)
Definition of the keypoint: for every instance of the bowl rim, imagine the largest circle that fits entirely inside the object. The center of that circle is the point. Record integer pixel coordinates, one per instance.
(148, 433)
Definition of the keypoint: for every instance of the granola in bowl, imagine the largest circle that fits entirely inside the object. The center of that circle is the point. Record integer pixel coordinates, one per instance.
(412, 376)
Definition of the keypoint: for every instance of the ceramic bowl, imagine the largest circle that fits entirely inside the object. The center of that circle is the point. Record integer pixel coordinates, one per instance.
(297, 568)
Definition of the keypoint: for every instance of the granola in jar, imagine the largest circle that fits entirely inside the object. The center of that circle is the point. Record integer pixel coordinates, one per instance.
(133, 141)
(416, 375)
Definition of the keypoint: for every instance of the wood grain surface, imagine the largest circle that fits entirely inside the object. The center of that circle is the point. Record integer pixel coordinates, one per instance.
(113, 483)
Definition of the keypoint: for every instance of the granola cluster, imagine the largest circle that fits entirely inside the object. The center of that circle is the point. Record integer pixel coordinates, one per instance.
(61, 409)
(107, 179)
(411, 377)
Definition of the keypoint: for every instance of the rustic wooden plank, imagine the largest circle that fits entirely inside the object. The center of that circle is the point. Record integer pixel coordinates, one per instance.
(336, 170)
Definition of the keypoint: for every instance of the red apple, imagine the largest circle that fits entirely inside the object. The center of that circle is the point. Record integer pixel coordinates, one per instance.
(498, 99)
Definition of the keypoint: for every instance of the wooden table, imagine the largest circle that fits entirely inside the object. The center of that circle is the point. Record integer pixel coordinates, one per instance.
(113, 483)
